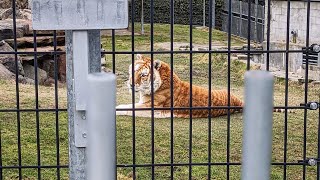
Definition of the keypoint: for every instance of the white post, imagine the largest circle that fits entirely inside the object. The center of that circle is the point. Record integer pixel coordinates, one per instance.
(101, 113)
(257, 132)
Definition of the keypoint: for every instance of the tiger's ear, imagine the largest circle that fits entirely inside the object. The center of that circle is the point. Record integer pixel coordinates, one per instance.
(139, 57)
(157, 64)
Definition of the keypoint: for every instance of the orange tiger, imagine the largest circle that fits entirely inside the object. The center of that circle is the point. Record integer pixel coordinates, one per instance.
(181, 93)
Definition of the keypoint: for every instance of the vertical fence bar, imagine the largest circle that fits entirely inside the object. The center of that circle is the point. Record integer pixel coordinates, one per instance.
(15, 47)
(133, 92)
(204, 13)
(113, 51)
(228, 86)
(257, 132)
(190, 97)
(318, 153)
(1, 170)
(56, 100)
(152, 89)
(305, 113)
(101, 150)
(171, 87)
(285, 139)
(249, 35)
(36, 84)
(213, 13)
(209, 90)
(268, 35)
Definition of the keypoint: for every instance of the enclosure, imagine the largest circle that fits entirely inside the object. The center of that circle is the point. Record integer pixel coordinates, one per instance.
(35, 132)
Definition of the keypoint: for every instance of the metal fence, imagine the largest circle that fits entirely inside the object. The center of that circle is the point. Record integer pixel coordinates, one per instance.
(19, 166)
(240, 13)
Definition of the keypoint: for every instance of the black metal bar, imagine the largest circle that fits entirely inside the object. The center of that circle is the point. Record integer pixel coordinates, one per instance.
(31, 110)
(133, 92)
(36, 82)
(204, 52)
(1, 171)
(17, 85)
(171, 88)
(56, 100)
(32, 52)
(306, 91)
(268, 36)
(249, 34)
(286, 93)
(202, 164)
(190, 97)
(113, 50)
(152, 89)
(203, 107)
(228, 88)
(163, 52)
(210, 89)
(318, 165)
(148, 109)
(34, 167)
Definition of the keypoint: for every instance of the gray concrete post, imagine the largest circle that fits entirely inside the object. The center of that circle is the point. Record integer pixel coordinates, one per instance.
(101, 115)
(257, 132)
(77, 155)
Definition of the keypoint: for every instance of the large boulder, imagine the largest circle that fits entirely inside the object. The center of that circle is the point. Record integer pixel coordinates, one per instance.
(5, 13)
(7, 29)
(5, 73)
(30, 73)
(8, 60)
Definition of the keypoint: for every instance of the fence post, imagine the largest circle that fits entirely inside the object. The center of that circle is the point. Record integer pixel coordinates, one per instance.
(257, 132)
(77, 155)
(101, 149)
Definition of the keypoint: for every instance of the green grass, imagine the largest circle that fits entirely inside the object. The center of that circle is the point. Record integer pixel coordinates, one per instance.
(181, 33)
(8, 121)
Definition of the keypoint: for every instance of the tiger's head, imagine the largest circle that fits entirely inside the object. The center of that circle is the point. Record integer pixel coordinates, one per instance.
(142, 75)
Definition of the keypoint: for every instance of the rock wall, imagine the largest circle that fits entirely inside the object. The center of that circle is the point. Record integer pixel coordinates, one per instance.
(20, 4)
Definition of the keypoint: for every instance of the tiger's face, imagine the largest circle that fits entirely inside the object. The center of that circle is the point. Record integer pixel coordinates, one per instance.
(142, 75)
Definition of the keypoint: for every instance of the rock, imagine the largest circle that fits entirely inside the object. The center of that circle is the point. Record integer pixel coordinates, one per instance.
(203, 49)
(25, 80)
(315, 82)
(62, 68)
(26, 14)
(237, 47)
(30, 73)
(42, 49)
(27, 42)
(5, 13)
(20, 4)
(5, 73)
(48, 66)
(48, 82)
(8, 60)
(243, 57)
(6, 28)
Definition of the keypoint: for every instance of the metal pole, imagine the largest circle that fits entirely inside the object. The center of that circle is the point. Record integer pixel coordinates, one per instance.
(77, 155)
(101, 114)
(257, 132)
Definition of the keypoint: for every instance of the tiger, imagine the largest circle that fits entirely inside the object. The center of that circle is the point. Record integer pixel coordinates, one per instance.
(181, 94)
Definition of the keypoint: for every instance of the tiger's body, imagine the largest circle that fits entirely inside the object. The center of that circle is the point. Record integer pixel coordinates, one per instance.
(181, 94)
